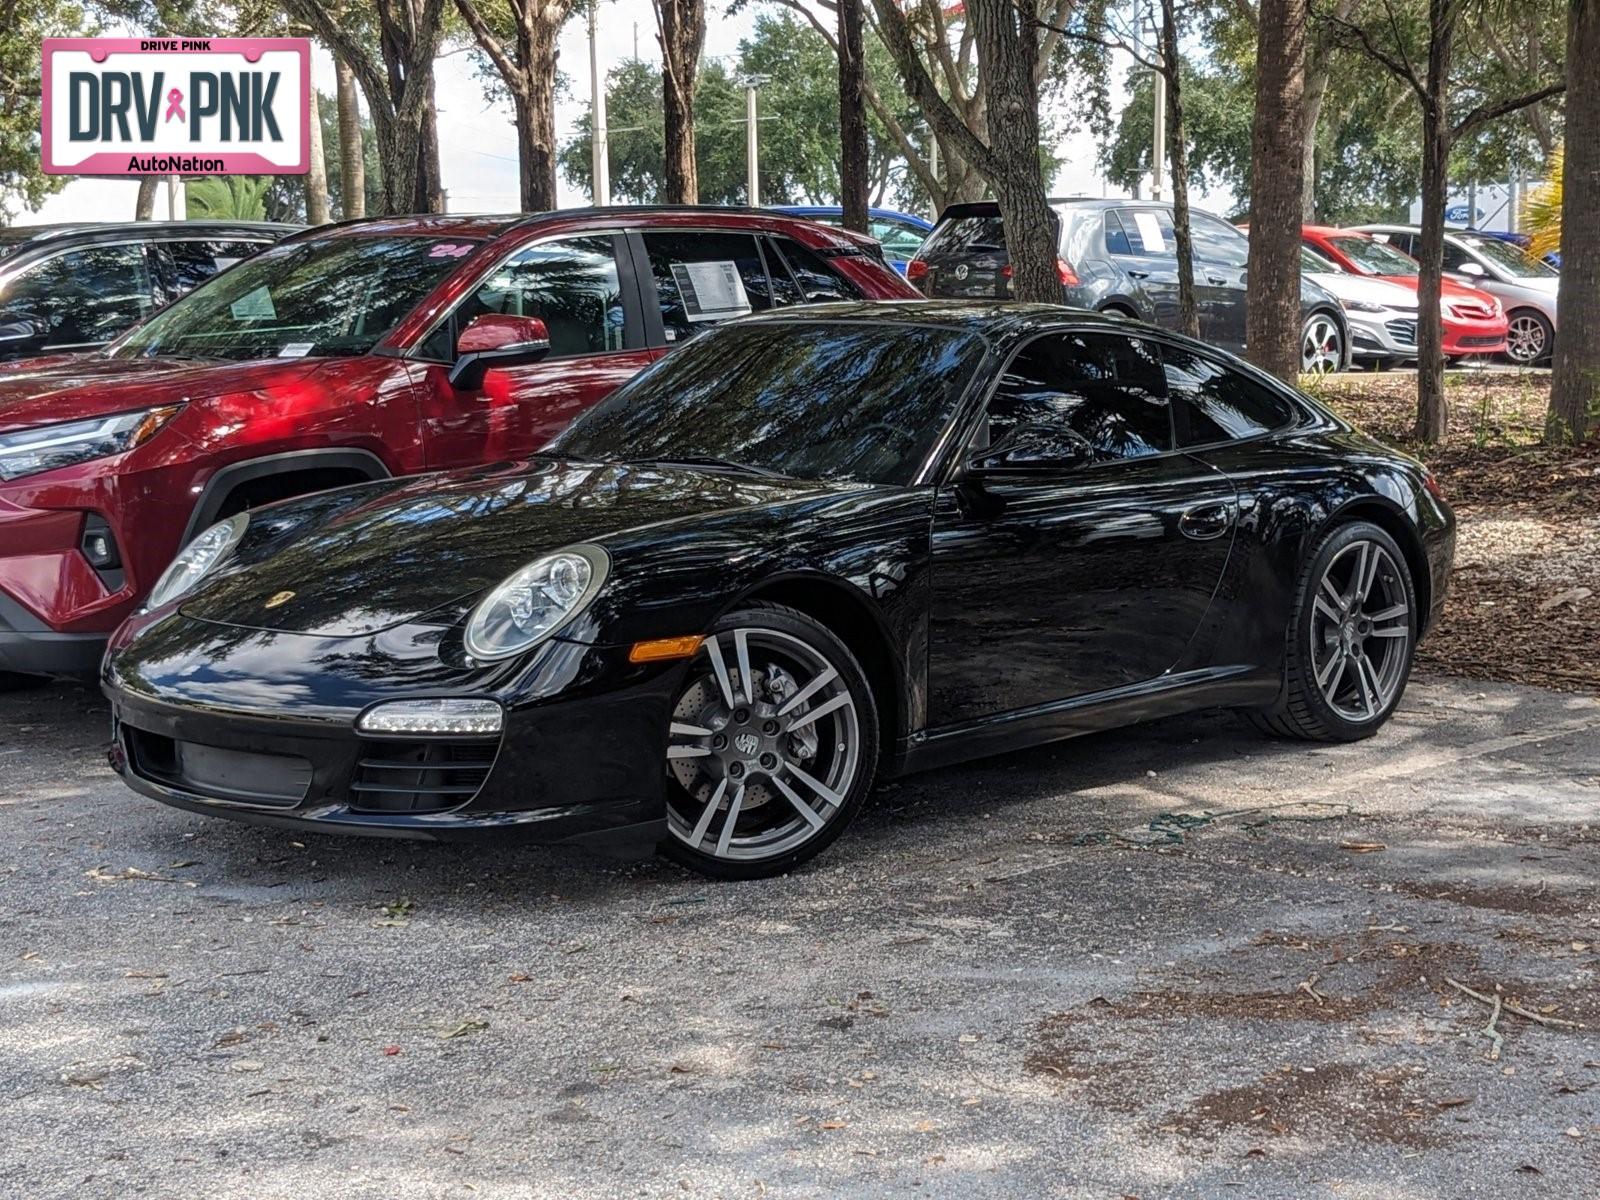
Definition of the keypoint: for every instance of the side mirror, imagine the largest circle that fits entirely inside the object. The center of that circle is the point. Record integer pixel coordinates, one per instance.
(1034, 445)
(496, 340)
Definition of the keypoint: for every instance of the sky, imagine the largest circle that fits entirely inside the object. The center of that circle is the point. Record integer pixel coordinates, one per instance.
(478, 155)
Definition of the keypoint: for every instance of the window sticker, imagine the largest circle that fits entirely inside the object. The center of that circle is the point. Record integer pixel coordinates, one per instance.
(450, 250)
(254, 306)
(711, 291)
(296, 349)
(1150, 232)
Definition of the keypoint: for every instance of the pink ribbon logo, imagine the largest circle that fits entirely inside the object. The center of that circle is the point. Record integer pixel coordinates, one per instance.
(175, 105)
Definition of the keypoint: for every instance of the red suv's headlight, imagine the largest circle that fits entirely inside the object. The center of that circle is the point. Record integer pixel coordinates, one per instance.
(30, 451)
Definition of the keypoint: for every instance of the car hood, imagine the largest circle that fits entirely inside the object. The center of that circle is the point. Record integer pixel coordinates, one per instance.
(1370, 291)
(374, 556)
(41, 391)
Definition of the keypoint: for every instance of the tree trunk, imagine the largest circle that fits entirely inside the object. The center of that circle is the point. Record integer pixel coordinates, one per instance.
(1433, 414)
(1277, 158)
(352, 153)
(1178, 161)
(317, 176)
(853, 149)
(536, 142)
(144, 207)
(1007, 35)
(429, 197)
(400, 151)
(1316, 91)
(682, 34)
(1575, 380)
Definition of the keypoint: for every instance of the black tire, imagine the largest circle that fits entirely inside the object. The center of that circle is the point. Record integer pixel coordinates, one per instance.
(859, 717)
(1117, 310)
(1303, 709)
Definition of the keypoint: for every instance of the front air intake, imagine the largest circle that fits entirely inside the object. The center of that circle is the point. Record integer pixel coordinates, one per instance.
(395, 776)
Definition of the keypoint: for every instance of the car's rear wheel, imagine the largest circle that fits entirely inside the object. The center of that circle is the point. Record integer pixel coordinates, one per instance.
(1528, 338)
(1351, 638)
(772, 747)
(1321, 345)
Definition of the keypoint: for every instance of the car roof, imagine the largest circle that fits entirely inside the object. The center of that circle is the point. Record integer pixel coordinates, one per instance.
(488, 225)
(1328, 231)
(835, 210)
(29, 235)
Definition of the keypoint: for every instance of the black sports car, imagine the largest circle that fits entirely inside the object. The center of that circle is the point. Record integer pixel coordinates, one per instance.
(797, 554)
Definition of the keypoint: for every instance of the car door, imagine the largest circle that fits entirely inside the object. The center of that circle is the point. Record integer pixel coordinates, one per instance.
(1055, 580)
(583, 288)
(1221, 254)
(74, 299)
(1140, 241)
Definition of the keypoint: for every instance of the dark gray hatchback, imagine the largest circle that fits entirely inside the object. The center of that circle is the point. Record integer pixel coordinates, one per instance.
(1118, 256)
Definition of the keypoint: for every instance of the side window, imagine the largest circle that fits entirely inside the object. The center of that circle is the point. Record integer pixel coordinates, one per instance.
(818, 282)
(1104, 389)
(82, 297)
(1217, 242)
(706, 277)
(1213, 403)
(183, 266)
(1455, 257)
(1117, 241)
(571, 285)
(1149, 231)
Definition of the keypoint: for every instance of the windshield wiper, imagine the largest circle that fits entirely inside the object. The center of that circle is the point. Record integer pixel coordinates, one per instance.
(709, 461)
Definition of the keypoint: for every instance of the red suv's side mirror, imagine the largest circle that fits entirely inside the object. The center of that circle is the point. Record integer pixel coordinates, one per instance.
(496, 340)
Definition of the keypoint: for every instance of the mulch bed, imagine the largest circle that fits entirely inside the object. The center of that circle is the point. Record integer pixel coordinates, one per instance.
(1524, 604)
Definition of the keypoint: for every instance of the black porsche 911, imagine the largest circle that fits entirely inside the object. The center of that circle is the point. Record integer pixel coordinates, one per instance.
(798, 554)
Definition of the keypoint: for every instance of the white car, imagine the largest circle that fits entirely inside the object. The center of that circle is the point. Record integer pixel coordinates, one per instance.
(1525, 287)
(1382, 316)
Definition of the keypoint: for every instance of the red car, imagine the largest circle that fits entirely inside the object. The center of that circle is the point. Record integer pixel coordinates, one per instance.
(1474, 321)
(382, 347)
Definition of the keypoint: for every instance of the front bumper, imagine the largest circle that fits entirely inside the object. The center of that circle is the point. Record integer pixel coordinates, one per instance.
(1389, 334)
(580, 759)
(30, 647)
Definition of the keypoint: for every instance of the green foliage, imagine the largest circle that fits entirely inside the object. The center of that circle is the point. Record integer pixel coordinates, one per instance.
(23, 183)
(229, 197)
(286, 198)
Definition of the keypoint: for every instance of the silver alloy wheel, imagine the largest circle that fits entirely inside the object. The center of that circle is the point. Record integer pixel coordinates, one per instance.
(1525, 339)
(1360, 631)
(765, 746)
(1321, 347)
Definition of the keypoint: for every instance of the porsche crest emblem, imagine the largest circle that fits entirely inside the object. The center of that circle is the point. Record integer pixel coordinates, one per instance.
(278, 599)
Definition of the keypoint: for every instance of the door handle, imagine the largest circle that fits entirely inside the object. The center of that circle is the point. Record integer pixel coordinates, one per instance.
(1138, 274)
(1216, 280)
(1206, 521)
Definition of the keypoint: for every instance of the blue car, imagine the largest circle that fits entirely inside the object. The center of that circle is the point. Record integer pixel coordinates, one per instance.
(901, 234)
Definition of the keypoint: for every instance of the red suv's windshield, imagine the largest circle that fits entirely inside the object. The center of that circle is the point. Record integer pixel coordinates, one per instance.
(328, 296)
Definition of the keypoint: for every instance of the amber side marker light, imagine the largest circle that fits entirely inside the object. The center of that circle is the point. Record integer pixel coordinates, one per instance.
(661, 649)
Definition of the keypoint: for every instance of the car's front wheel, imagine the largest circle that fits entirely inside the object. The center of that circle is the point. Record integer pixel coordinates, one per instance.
(772, 746)
(1351, 638)
(1321, 345)
(1528, 338)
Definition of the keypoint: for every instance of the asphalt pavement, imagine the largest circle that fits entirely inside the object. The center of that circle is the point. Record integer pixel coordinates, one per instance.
(1171, 962)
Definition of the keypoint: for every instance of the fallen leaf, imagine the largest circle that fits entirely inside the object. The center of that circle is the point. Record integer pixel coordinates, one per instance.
(834, 1125)
(1362, 847)
(391, 1051)
(470, 1025)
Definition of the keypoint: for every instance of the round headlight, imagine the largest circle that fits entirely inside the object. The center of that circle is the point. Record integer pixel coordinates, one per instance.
(535, 602)
(196, 560)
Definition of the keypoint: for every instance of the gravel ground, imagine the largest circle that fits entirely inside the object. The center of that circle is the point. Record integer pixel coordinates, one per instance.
(1020, 978)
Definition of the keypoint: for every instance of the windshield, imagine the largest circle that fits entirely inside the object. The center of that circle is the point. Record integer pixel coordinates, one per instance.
(830, 401)
(1372, 257)
(1507, 257)
(328, 296)
(1310, 261)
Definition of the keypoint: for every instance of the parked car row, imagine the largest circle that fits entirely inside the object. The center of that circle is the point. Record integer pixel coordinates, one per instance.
(413, 526)
(1358, 287)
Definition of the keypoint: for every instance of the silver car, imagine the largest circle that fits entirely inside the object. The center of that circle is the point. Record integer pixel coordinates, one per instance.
(1119, 257)
(1525, 286)
(1382, 315)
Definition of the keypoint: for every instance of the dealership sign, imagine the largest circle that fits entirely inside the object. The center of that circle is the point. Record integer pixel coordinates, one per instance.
(165, 106)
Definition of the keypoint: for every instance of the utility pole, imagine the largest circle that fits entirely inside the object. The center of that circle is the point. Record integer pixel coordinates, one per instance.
(1158, 142)
(752, 154)
(933, 168)
(600, 147)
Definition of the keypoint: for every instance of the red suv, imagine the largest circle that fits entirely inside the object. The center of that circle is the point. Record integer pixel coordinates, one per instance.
(381, 347)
